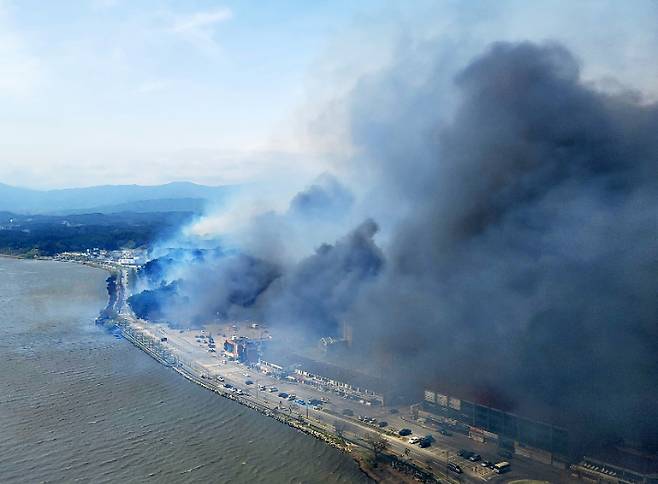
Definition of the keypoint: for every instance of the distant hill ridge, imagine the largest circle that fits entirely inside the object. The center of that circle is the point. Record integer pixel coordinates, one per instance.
(175, 196)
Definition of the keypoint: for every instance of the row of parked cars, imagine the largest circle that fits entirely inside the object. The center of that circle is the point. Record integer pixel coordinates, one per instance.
(498, 468)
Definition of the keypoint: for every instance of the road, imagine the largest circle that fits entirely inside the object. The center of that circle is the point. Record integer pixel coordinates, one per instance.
(196, 357)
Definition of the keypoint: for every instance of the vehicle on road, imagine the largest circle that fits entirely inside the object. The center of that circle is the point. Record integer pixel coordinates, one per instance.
(228, 385)
(465, 453)
(502, 467)
(454, 468)
(248, 382)
(445, 432)
(475, 457)
(220, 378)
(404, 432)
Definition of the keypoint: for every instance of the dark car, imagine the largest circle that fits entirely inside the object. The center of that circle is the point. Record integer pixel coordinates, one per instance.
(315, 401)
(404, 432)
(445, 432)
(227, 385)
(425, 442)
(348, 412)
(283, 395)
(454, 468)
(464, 453)
(248, 382)
(383, 423)
(475, 457)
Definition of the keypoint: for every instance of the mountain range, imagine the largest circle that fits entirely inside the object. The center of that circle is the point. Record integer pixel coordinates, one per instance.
(170, 197)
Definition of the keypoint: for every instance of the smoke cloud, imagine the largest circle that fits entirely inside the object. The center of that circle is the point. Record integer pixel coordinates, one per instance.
(519, 267)
(526, 266)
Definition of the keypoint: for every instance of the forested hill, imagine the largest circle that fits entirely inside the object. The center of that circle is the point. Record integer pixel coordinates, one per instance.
(49, 234)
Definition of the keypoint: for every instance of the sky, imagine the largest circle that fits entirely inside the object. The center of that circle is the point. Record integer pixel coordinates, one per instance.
(117, 91)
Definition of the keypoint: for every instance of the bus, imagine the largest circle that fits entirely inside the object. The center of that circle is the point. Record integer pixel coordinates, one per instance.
(501, 467)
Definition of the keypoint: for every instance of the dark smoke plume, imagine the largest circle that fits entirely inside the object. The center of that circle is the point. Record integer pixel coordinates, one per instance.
(519, 268)
(317, 292)
(526, 267)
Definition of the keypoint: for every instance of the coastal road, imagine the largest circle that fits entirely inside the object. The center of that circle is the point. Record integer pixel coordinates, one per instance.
(184, 346)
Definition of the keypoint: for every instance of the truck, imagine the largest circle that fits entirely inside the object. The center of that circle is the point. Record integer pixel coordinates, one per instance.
(502, 467)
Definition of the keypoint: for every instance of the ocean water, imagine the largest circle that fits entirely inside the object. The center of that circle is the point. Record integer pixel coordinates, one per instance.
(78, 405)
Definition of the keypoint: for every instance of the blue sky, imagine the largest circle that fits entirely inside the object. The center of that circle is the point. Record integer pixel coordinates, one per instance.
(119, 91)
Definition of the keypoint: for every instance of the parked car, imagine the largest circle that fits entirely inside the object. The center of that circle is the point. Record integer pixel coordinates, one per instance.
(475, 457)
(383, 423)
(248, 382)
(283, 395)
(454, 468)
(404, 432)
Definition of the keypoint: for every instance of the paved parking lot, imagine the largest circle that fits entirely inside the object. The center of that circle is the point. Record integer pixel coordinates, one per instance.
(444, 449)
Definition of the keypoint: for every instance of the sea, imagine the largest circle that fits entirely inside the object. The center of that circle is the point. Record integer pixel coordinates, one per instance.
(78, 404)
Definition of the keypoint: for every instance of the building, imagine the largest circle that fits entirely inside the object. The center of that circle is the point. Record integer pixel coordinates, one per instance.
(243, 349)
(530, 438)
(618, 466)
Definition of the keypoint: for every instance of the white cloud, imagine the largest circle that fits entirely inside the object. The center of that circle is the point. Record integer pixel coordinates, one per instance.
(201, 20)
(198, 28)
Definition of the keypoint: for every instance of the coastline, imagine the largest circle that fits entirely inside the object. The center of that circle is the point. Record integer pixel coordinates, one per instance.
(381, 473)
(384, 471)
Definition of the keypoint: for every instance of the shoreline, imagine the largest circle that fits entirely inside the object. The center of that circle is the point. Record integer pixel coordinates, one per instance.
(352, 449)
(380, 472)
